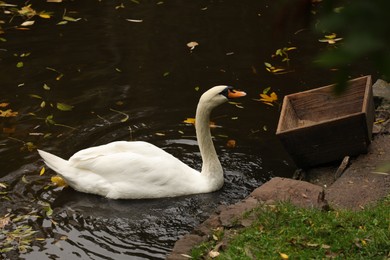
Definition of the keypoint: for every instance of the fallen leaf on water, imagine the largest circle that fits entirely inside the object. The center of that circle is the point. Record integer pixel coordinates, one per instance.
(8, 113)
(192, 45)
(189, 121)
(283, 256)
(122, 113)
(30, 146)
(330, 39)
(268, 99)
(27, 11)
(238, 105)
(64, 107)
(70, 19)
(42, 171)
(3, 185)
(20, 64)
(45, 15)
(4, 104)
(59, 181)
(231, 143)
(27, 23)
(24, 179)
(135, 20)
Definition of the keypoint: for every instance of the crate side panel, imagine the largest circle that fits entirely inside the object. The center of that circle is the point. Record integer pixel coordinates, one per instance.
(323, 143)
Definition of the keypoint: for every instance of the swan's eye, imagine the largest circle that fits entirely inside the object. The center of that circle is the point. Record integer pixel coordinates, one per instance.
(226, 91)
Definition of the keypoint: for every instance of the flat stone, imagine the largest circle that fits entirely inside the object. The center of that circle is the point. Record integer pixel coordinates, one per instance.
(299, 193)
(381, 89)
(184, 245)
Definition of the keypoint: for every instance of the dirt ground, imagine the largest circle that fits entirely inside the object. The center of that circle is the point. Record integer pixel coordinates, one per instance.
(362, 182)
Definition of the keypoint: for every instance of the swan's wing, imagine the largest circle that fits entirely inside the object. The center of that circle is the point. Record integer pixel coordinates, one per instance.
(139, 147)
(133, 162)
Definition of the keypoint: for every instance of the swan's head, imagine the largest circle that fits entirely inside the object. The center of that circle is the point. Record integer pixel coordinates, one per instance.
(219, 95)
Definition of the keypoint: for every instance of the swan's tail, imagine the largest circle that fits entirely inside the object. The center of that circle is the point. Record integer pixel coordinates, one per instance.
(54, 162)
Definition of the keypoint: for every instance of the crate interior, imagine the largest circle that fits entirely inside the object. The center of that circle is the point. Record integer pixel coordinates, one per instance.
(321, 104)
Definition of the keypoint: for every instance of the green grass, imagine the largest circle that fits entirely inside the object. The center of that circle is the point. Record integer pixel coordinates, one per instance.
(284, 230)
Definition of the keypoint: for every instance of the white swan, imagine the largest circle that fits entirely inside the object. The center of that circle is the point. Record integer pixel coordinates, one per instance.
(140, 170)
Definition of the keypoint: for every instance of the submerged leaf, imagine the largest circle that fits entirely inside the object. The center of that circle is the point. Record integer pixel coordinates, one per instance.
(64, 107)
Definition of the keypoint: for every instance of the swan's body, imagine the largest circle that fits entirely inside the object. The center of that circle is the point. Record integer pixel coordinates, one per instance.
(136, 170)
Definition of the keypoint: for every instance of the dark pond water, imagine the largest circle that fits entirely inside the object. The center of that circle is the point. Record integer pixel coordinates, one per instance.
(131, 58)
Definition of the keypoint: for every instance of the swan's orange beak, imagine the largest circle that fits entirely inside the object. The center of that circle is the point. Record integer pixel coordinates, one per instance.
(235, 94)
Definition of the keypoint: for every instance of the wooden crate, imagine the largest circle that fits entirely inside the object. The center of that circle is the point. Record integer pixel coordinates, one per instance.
(318, 127)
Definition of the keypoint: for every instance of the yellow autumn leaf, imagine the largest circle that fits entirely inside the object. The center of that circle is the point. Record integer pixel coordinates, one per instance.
(4, 104)
(283, 256)
(269, 98)
(42, 171)
(45, 15)
(189, 120)
(59, 181)
(8, 113)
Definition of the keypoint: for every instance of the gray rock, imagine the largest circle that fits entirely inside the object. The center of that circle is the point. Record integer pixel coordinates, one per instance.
(381, 89)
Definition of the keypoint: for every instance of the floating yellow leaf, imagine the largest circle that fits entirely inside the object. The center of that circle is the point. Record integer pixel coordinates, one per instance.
(59, 181)
(269, 98)
(189, 121)
(45, 15)
(283, 256)
(4, 104)
(8, 113)
(42, 171)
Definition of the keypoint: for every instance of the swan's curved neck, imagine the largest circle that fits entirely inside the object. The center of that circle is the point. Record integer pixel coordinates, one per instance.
(211, 166)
